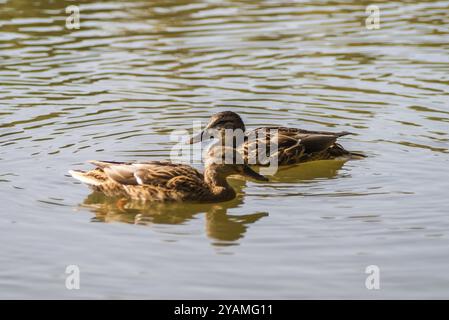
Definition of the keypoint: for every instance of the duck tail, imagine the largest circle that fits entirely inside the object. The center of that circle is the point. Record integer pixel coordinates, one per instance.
(336, 151)
(357, 155)
(103, 164)
(343, 133)
(84, 177)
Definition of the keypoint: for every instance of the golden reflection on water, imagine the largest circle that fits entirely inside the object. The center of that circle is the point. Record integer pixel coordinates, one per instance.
(309, 171)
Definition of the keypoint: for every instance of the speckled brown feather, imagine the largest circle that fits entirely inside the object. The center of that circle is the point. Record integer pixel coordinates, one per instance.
(293, 145)
(158, 181)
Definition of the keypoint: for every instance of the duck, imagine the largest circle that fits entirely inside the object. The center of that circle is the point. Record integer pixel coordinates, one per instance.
(293, 145)
(164, 181)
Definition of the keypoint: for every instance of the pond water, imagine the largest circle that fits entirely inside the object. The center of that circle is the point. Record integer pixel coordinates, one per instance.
(135, 71)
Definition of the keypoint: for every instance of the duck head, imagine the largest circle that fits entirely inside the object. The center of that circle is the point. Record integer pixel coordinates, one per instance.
(217, 126)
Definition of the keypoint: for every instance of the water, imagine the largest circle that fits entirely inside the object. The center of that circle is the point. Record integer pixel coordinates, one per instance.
(137, 70)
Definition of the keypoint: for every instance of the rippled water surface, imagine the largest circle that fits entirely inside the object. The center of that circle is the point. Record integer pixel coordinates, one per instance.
(137, 70)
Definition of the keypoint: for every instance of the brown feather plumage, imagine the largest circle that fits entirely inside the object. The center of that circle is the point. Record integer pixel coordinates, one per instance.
(163, 181)
(293, 145)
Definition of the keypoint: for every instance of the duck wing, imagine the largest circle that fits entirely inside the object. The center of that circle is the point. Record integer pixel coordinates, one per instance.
(293, 145)
(286, 138)
(294, 131)
(316, 142)
(155, 173)
(258, 148)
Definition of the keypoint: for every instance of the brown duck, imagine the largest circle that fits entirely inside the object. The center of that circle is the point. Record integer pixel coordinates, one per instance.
(293, 145)
(166, 181)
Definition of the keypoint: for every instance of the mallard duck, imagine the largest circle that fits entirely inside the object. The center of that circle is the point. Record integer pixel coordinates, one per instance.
(166, 181)
(293, 145)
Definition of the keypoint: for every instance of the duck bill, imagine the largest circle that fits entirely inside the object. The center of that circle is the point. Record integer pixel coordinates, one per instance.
(205, 135)
(247, 171)
(196, 138)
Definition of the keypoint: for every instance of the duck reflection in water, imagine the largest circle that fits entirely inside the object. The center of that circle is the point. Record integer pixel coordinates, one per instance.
(227, 229)
(223, 228)
(307, 172)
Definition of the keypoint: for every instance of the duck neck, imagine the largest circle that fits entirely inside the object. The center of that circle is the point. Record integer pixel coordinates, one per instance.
(233, 141)
(218, 184)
